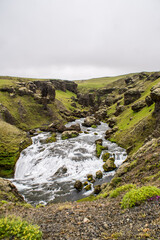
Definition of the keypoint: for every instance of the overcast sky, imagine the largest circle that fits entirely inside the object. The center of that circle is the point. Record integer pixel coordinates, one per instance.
(78, 39)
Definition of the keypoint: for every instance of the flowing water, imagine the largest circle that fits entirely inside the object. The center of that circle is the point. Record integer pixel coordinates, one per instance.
(47, 171)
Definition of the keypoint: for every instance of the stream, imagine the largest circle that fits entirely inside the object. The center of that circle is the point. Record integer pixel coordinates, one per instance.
(47, 171)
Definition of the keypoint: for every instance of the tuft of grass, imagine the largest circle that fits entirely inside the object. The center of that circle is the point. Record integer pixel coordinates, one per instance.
(94, 126)
(116, 192)
(12, 227)
(137, 196)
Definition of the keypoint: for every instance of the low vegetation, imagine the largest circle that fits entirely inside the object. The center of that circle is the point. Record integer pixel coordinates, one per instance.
(137, 196)
(15, 228)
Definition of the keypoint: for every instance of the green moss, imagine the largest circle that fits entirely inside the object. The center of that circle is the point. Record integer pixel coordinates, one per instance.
(12, 226)
(137, 196)
(88, 187)
(105, 156)
(94, 126)
(116, 192)
(115, 181)
(52, 138)
(99, 149)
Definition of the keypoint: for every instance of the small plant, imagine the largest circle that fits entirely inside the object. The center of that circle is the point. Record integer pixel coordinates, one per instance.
(137, 196)
(121, 189)
(15, 228)
(99, 149)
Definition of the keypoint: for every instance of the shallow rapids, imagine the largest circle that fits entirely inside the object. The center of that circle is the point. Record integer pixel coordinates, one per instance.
(47, 171)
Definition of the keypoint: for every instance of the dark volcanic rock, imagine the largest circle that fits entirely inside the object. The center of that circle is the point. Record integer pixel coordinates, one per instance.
(64, 85)
(148, 101)
(78, 185)
(155, 96)
(131, 95)
(138, 106)
(86, 99)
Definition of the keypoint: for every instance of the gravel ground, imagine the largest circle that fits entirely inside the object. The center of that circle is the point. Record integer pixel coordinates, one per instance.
(96, 220)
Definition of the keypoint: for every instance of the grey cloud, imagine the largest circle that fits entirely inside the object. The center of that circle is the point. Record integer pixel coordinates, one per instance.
(61, 37)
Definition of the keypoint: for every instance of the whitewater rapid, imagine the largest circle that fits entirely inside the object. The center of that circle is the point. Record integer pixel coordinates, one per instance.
(47, 171)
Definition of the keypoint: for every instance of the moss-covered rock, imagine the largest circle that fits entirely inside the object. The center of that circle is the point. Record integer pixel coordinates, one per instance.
(69, 134)
(105, 156)
(78, 185)
(109, 165)
(90, 177)
(97, 189)
(52, 138)
(88, 187)
(99, 174)
(9, 192)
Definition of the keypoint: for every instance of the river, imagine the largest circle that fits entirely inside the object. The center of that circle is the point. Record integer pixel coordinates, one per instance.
(47, 171)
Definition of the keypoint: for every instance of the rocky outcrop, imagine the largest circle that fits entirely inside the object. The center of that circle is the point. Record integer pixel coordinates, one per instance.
(103, 91)
(148, 101)
(86, 99)
(6, 115)
(119, 110)
(64, 85)
(138, 105)
(155, 96)
(131, 95)
(89, 121)
(9, 192)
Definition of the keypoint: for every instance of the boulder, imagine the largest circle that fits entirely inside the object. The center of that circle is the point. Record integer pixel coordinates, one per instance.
(99, 174)
(111, 122)
(90, 177)
(75, 127)
(78, 185)
(138, 105)
(109, 165)
(148, 101)
(69, 134)
(105, 156)
(131, 96)
(89, 121)
(101, 114)
(97, 189)
(88, 187)
(109, 132)
(119, 110)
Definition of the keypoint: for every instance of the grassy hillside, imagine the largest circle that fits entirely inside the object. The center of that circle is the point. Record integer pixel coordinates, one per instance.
(97, 83)
(26, 113)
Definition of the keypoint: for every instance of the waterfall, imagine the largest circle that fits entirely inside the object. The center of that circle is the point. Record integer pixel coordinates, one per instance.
(47, 171)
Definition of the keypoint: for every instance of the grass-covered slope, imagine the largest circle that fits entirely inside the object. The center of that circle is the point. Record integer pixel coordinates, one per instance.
(19, 113)
(12, 140)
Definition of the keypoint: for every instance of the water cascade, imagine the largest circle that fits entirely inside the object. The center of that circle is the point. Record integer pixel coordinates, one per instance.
(47, 171)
